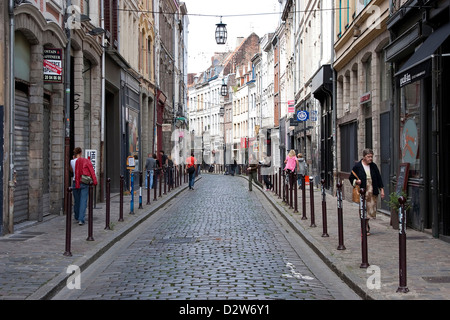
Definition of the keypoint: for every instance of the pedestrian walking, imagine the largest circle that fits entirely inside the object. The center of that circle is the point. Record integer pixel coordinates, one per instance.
(252, 170)
(76, 192)
(157, 171)
(150, 165)
(170, 171)
(266, 170)
(191, 167)
(302, 169)
(365, 173)
(84, 174)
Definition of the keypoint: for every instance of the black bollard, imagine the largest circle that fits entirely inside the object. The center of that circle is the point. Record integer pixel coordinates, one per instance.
(303, 199)
(402, 245)
(311, 202)
(166, 175)
(148, 187)
(91, 216)
(108, 203)
(121, 199)
(160, 181)
(340, 217)
(295, 194)
(324, 211)
(279, 183)
(363, 215)
(68, 222)
(154, 186)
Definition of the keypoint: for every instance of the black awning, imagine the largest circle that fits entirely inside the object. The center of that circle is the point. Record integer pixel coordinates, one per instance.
(418, 65)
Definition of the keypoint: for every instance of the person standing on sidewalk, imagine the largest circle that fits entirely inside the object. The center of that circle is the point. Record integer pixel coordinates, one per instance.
(191, 167)
(76, 192)
(252, 170)
(369, 179)
(302, 169)
(150, 165)
(83, 167)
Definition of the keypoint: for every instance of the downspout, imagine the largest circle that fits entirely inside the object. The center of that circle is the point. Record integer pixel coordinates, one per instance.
(434, 151)
(12, 172)
(67, 120)
(334, 101)
(102, 128)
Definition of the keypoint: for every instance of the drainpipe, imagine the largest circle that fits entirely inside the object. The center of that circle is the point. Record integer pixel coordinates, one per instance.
(66, 178)
(12, 171)
(334, 120)
(102, 128)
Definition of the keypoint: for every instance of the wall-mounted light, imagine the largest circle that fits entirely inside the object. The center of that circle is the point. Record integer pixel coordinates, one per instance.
(221, 32)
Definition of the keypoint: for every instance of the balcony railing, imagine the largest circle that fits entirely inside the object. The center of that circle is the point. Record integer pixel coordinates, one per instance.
(397, 4)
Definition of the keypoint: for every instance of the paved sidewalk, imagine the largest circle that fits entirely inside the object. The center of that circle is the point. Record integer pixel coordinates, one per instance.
(32, 261)
(428, 258)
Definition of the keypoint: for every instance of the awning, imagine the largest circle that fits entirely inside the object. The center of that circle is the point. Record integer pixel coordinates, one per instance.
(418, 65)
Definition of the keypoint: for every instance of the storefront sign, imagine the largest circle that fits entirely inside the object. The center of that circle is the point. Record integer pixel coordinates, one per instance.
(52, 65)
(291, 106)
(367, 97)
(91, 154)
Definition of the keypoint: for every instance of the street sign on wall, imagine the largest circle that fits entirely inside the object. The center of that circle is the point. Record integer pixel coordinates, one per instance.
(52, 65)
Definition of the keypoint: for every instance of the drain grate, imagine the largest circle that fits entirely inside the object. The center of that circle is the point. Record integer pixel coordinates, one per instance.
(443, 279)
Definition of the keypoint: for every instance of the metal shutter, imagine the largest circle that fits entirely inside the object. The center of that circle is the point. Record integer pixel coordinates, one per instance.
(21, 142)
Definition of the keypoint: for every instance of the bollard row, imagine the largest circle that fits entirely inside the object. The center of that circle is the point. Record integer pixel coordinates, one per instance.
(172, 178)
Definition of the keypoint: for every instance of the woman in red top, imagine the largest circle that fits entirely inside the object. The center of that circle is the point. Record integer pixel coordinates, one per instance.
(83, 166)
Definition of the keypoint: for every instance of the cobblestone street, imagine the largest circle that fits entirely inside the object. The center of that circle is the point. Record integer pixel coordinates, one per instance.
(219, 241)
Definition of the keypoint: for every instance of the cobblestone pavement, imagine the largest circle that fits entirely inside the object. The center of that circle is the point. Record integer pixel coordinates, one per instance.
(219, 241)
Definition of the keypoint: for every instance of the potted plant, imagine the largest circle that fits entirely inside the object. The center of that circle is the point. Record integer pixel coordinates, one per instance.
(393, 203)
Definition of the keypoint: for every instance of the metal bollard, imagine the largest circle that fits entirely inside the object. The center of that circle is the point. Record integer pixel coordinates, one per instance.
(303, 199)
(132, 193)
(140, 190)
(311, 202)
(279, 183)
(154, 186)
(363, 214)
(148, 187)
(295, 194)
(160, 182)
(340, 217)
(291, 184)
(108, 203)
(68, 222)
(166, 175)
(402, 245)
(91, 216)
(324, 211)
(121, 199)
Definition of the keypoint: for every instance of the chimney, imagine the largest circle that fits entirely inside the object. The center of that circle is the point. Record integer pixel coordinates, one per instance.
(239, 41)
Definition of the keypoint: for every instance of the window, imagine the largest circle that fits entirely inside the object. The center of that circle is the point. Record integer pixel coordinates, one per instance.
(349, 147)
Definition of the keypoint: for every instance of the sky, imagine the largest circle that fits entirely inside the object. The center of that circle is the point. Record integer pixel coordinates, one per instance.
(259, 16)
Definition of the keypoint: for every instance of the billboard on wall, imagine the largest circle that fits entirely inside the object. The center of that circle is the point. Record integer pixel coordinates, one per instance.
(52, 64)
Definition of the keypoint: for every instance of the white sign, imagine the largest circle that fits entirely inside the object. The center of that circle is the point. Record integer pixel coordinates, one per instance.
(91, 154)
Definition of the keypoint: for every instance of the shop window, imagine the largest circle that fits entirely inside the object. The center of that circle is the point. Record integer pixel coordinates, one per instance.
(410, 127)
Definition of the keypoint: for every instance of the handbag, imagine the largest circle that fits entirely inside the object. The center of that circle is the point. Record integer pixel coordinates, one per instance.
(356, 188)
(191, 169)
(86, 179)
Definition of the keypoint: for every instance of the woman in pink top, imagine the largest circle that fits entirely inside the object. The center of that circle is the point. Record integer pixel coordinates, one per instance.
(291, 161)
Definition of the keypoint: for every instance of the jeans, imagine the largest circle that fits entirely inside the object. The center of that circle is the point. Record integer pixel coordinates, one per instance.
(191, 179)
(84, 196)
(76, 201)
(150, 175)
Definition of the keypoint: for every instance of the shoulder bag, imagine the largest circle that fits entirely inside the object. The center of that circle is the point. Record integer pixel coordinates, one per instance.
(356, 188)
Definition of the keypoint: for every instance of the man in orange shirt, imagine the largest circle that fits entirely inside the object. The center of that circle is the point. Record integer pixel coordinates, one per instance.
(191, 168)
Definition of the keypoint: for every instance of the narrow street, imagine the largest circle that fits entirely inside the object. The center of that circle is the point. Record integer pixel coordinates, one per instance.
(219, 241)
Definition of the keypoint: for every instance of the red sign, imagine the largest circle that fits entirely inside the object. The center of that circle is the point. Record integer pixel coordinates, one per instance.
(291, 106)
(244, 142)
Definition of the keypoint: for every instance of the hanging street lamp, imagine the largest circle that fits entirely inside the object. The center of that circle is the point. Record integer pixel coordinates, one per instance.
(221, 32)
(223, 89)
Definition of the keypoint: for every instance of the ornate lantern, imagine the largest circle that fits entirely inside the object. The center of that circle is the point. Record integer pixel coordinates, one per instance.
(221, 32)
(223, 89)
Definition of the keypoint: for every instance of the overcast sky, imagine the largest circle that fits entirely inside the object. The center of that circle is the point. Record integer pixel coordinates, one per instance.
(259, 16)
